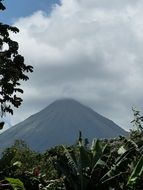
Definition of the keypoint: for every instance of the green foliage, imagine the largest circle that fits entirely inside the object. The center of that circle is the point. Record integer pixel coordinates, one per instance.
(15, 183)
(137, 121)
(136, 173)
(16, 159)
(79, 167)
(116, 164)
(12, 69)
(106, 164)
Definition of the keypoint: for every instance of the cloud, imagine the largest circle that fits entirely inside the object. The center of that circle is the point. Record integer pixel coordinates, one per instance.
(88, 50)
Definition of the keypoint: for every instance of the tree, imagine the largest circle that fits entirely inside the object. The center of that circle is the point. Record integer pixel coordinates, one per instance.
(138, 119)
(116, 164)
(18, 154)
(83, 167)
(12, 69)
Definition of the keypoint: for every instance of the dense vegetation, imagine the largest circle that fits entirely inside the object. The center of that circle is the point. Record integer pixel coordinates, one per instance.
(111, 164)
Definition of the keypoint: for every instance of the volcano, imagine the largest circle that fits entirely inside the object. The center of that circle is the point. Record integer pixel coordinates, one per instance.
(60, 123)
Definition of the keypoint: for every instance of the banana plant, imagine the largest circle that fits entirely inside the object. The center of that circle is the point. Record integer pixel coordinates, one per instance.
(78, 167)
(128, 168)
(89, 168)
(11, 184)
(136, 174)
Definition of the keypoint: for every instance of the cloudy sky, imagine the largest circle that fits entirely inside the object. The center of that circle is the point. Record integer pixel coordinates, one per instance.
(89, 50)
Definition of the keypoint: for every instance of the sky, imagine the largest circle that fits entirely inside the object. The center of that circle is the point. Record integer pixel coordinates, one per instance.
(18, 8)
(90, 51)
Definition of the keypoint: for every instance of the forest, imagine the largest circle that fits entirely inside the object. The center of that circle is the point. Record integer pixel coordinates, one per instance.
(111, 164)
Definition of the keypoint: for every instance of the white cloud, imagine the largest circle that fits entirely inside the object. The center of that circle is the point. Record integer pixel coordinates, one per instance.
(88, 50)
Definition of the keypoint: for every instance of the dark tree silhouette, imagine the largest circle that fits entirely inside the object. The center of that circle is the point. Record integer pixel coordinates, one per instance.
(12, 69)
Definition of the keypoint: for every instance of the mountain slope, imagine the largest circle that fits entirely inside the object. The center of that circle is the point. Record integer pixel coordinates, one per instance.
(60, 123)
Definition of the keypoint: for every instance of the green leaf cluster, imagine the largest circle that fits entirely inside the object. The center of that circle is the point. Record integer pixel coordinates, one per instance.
(12, 69)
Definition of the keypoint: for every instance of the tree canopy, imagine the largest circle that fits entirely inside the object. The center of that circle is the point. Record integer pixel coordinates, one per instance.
(12, 69)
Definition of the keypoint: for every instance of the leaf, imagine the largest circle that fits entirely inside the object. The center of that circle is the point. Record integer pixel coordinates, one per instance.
(126, 154)
(15, 183)
(84, 158)
(17, 163)
(29, 68)
(136, 173)
(70, 164)
(2, 7)
(121, 150)
(18, 90)
(1, 125)
(96, 146)
(97, 151)
(114, 171)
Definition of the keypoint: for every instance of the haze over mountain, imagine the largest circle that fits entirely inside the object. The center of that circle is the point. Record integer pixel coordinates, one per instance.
(59, 123)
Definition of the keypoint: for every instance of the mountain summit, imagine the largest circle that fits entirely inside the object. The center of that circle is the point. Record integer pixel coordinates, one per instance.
(60, 123)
